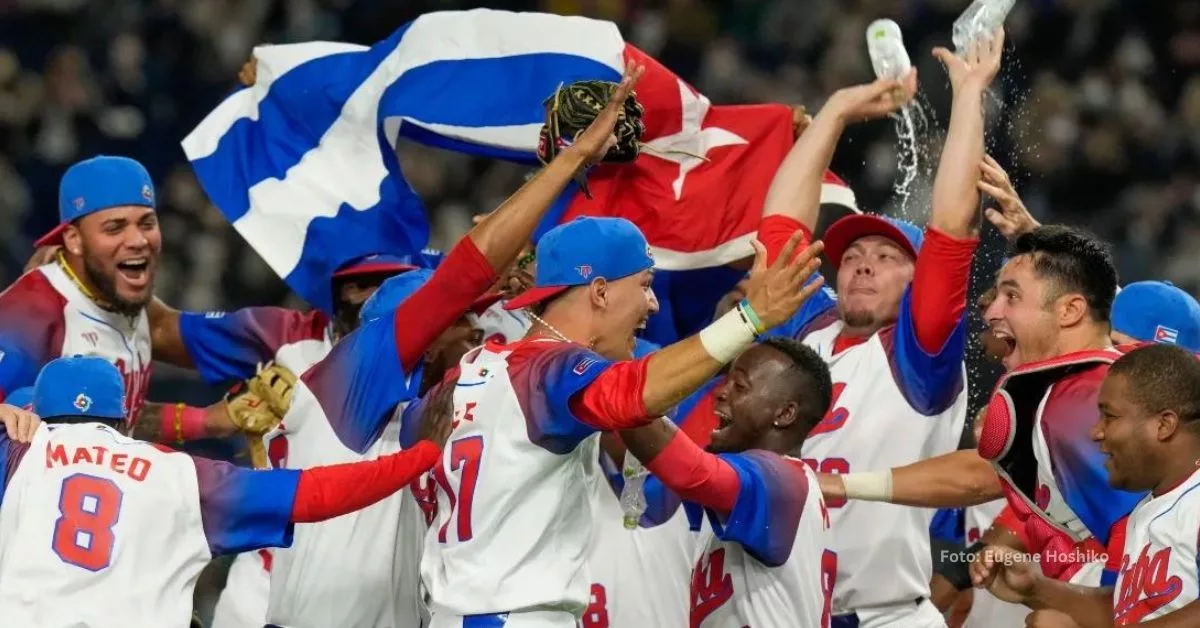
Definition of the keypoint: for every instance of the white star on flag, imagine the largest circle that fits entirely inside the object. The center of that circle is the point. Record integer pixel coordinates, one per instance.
(691, 139)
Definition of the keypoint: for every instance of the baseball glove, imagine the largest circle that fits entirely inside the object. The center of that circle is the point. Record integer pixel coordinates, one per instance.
(258, 404)
(572, 108)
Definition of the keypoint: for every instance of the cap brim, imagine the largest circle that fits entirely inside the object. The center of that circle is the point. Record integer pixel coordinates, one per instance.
(841, 234)
(52, 238)
(533, 296)
(484, 302)
(375, 268)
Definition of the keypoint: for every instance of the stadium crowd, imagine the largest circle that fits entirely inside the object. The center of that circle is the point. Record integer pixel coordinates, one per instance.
(849, 410)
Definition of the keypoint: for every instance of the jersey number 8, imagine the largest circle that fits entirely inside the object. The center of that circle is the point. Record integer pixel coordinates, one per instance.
(89, 508)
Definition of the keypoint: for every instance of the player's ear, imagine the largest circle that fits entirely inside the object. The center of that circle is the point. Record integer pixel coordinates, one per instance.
(1166, 424)
(1072, 308)
(786, 415)
(598, 291)
(73, 240)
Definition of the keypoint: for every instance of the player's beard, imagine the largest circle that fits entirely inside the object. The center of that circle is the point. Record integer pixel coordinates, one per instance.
(858, 319)
(106, 286)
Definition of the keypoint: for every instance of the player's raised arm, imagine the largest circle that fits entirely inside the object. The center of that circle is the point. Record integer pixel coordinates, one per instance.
(244, 510)
(954, 480)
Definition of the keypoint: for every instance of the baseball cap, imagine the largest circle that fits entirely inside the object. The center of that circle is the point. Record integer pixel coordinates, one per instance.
(376, 263)
(82, 386)
(97, 184)
(587, 248)
(21, 397)
(1157, 311)
(394, 290)
(841, 234)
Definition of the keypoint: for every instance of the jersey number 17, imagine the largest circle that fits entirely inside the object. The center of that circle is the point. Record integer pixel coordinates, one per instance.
(465, 456)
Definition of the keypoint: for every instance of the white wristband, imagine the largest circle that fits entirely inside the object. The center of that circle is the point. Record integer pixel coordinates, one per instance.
(728, 336)
(871, 486)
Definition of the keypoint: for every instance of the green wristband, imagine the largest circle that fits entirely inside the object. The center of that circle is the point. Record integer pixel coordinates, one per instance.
(752, 316)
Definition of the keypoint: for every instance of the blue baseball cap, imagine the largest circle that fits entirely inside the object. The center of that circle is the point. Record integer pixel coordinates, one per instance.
(841, 234)
(395, 289)
(587, 248)
(96, 184)
(83, 386)
(21, 398)
(1157, 311)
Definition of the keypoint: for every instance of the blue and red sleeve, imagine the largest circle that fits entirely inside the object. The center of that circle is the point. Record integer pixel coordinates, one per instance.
(245, 509)
(1067, 419)
(771, 495)
(568, 393)
(360, 383)
(11, 453)
(696, 475)
(31, 330)
(464, 276)
(334, 490)
(230, 346)
(773, 232)
(929, 339)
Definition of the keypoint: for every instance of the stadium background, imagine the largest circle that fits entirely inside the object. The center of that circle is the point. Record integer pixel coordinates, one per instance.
(1097, 117)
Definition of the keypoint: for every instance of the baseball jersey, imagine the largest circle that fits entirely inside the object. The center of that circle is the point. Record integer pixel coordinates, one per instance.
(97, 529)
(44, 315)
(1052, 473)
(639, 577)
(514, 518)
(1159, 566)
(230, 346)
(354, 570)
(987, 610)
(893, 404)
(770, 561)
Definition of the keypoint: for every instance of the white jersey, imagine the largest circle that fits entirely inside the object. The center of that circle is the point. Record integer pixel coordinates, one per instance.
(873, 424)
(639, 577)
(44, 316)
(99, 530)
(228, 346)
(514, 518)
(1159, 567)
(988, 611)
(770, 562)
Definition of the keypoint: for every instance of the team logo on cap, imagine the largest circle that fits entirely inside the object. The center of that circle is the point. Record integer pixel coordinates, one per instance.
(83, 402)
(1166, 334)
(584, 270)
(78, 202)
(147, 194)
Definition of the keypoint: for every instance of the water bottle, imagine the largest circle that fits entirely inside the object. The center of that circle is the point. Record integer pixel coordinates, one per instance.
(980, 20)
(633, 499)
(886, 47)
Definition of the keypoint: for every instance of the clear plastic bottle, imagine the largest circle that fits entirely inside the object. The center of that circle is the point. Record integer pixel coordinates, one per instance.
(981, 19)
(633, 499)
(885, 45)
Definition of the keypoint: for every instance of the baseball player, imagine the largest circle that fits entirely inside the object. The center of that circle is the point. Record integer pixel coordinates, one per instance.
(510, 541)
(768, 560)
(1149, 404)
(97, 529)
(345, 408)
(894, 336)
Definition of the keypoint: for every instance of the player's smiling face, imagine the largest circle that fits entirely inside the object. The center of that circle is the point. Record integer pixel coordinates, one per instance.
(1126, 433)
(1022, 315)
(120, 248)
(872, 276)
(748, 404)
(624, 307)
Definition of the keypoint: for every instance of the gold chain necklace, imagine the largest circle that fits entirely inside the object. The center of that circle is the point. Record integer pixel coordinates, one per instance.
(61, 260)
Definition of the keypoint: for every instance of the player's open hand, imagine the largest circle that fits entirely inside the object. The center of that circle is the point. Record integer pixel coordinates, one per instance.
(1006, 572)
(978, 65)
(595, 141)
(437, 417)
(1012, 218)
(777, 290)
(19, 423)
(873, 100)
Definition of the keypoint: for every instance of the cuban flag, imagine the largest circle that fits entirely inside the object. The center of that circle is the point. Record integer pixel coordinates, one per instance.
(1166, 334)
(303, 163)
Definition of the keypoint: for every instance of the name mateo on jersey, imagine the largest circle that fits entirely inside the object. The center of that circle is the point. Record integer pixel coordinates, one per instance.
(134, 467)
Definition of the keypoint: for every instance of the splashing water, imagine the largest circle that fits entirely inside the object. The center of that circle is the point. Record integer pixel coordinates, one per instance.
(914, 169)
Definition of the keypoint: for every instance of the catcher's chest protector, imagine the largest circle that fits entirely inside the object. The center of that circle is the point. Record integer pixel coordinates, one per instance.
(1009, 439)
